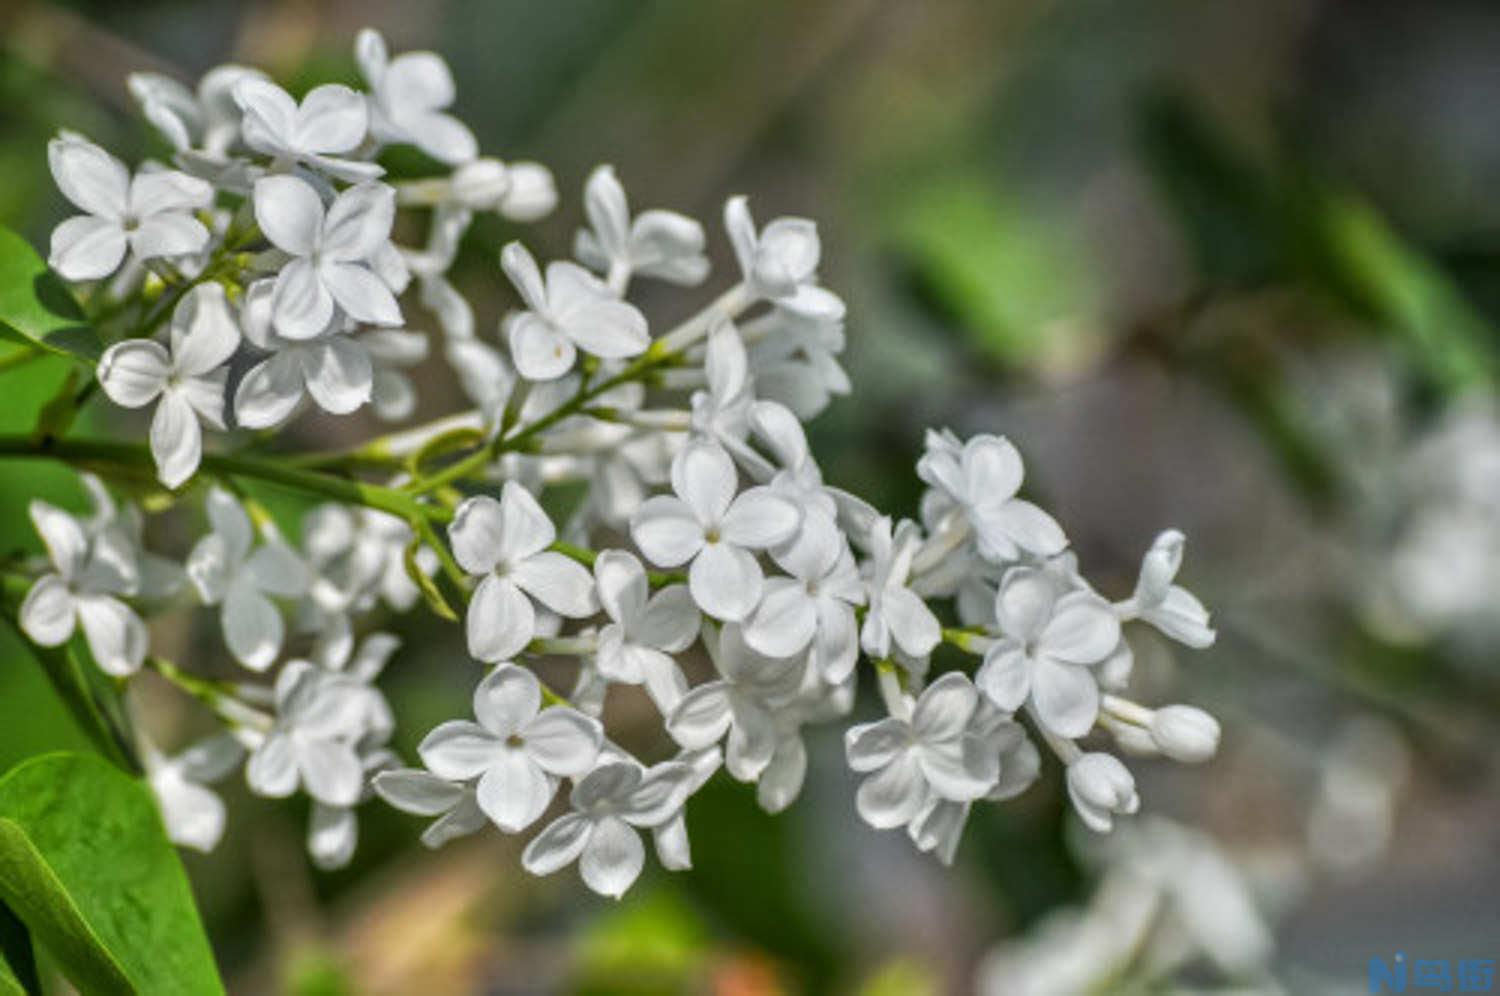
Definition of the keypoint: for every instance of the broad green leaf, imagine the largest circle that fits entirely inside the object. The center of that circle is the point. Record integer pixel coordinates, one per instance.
(85, 863)
(36, 307)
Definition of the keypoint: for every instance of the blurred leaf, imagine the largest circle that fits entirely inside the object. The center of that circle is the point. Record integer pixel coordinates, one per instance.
(1008, 273)
(36, 306)
(315, 972)
(653, 945)
(85, 863)
(902, 977)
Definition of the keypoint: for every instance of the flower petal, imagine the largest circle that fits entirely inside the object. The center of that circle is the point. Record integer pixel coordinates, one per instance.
(1083, 629)
(270, 392)
(507, 700)
(871, 746)
(338, 374)
(785, 621)
(301, 306)
(176, 439)
(1066, 697)
(331, 118)
(539, 351)
(116, 635)
(558, 845)
(500, 621)
(944, 708)
(272, 769)
(1005, 676)
(558, 582)
(703, 476)
(893, 796)
(359, 222)
(49, 613)
(331, 771)
(87, 248)
(253, 628)
(362, 295)
(417, 792)
(725, 581)
(171, 233)
(513, 791)
(134, 372)
(459, 749)
(613, 857)
(702, 717)
(667, 531)
(563, 741)
(622, 586)
(760, 518)
(289, 213)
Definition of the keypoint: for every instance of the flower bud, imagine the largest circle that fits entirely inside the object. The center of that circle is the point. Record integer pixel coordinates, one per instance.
(481, 185)
(1159, 568)
(1185, 733)
(532, 194)
(1100, 786)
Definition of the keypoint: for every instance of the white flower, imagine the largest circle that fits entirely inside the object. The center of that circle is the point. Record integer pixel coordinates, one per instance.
(794, 359)
(330, 122)
(781, 262)
(517, 750)
(118, 530)
(741, 703)
(151, 215)
(982, 477)
(636, 647)
(422, 793)
(334, 368)
(187, 384)
(88, 576)
(571, 310)
(814, 606)
(1049, 643)
(505, 543)
(723, 411)
(673, 849)
(661, 244)
(320, 716)
(333, 831)
(897, 617)
(1169, 607)
(708, 525)
(1101, 788)
(392, 352)
(931, 754)
(208, 119)
(608, 804)
(227, 572)
(331, 253)
(1185, 733)
(193, 814)
(407, 98)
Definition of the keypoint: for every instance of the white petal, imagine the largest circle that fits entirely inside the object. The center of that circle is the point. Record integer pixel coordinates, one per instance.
(702, 717)
(476, 532)
(608, 213)
(944, 708)
(1005, 676)
(991, 468)
(520, 266)
(526, 527)
(539, 351)
(116, 635)
(760, 518)
(621, 581)
(500, 620)
(332, 834)
(558, 582)
(667, 531)
(417, 792)
(1027, 526)
(87, 248)
(362, 295)
(558, 845)
(332, 118)
(88, 176)
(893, 796)
(272, 770)
(134, 372)
(171, 233)
(289, 213)
(270, 392)
(204, 332)
(270, 115)
(49, 612)
(1066, 697)
(1024, 603)
(507, 700)
(331, 771)
(673, 849)
(752, 739)
(870, 746)
(725, 362)
(725, 582)
(1083, 629)
(459, 749)
(168, 190)
(785, 621)
(444, 138)
(301, 306)
(613, 857)
(338, 374)
(276, 569)
(960, 770)
(781, 782)
(670, 621)
(67, 545)
(703, 476)
(253, 628)
(194, 816)
(563, 741)
(913, 626)
(513, 791)
(176, 439)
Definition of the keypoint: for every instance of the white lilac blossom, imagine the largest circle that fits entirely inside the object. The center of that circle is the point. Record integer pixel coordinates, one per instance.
(629, 503)
(505, 543)
(517, 750)
(568, 311)
(186, 383)
(710, 526)
(84, 589)
(150, 216)
(229, 570)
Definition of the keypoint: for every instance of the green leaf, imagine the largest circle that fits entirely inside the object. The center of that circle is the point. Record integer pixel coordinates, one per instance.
(85, 863)
(36, 307)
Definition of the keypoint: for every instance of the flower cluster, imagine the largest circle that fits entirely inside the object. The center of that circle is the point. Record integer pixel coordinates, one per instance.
(257, 272)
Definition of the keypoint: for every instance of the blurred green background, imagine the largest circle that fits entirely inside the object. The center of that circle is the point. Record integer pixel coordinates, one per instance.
(1214, 265)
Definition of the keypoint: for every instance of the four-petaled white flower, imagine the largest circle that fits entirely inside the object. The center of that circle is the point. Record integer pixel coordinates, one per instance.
(334, 368)
(600, 833)
(897, 617)
(1050, 642)
(331, 253)
(192, 812)
(208, 118)
(330, 122)
(517, 750)
(635, 648)
(931, 754)
(505, 544)
(187, 383)
(89, 576)
(227, 572)
(569, 311)
(150, 215)
(706, 523)
(814, 606)
(407, 98)
(780, 263)
(661, 244)
(1170, 607)
(981, 477)
(740, 703)
(320, 716)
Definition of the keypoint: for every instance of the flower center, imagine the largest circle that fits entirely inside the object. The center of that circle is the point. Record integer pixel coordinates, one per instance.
(711, 534)
(516, 741)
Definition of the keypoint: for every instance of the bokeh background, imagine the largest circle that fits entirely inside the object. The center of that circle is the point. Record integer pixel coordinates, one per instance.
(1223, 266)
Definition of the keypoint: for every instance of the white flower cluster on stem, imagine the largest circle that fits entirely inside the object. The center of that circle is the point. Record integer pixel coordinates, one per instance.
(258, 271)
